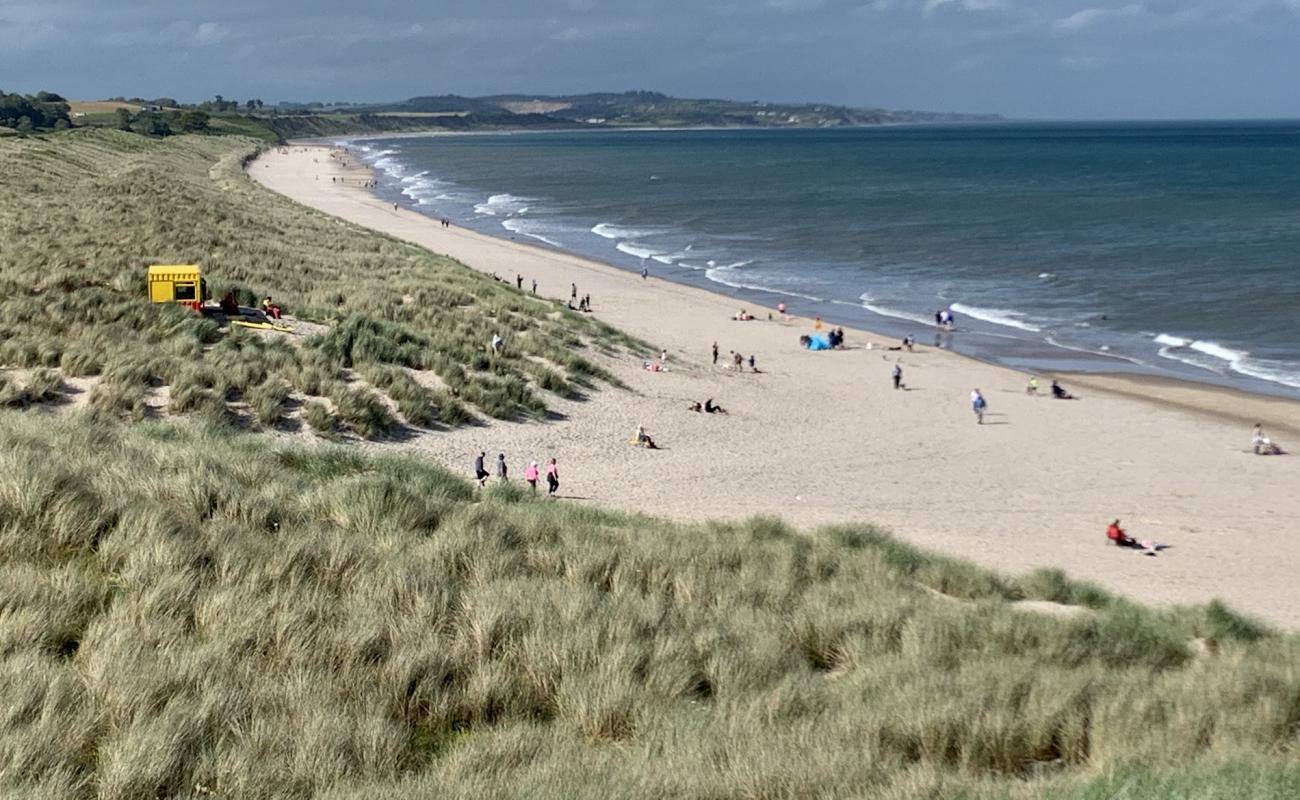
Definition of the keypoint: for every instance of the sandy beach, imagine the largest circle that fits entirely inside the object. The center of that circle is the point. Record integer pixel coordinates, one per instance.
(823, 437)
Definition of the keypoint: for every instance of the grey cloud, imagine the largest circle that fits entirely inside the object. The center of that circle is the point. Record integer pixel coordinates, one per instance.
(1022, 57)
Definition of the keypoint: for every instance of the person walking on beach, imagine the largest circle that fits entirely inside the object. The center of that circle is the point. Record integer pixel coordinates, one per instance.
(644, 273)
(480, 474)
(752, 367)
(715, 354)
(530, 475)
(552, 479)
(519, 281)
(978, 404)
(573, 292)
(501, 467)
(898, 376)
(496, 343)
(534, 286)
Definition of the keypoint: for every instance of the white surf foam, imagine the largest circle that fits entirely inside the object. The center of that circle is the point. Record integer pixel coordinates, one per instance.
(638, 250)
(1103, 350)
(501, 205)
(529, 228)
(1218, 358)
(609, 230)
(730, 275)
(869, 303)
(997, 316)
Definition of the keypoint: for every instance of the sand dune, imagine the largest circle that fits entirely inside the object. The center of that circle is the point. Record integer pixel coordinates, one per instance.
(824, 438)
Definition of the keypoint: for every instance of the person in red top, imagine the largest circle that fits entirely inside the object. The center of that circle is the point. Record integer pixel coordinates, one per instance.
(1117, 535)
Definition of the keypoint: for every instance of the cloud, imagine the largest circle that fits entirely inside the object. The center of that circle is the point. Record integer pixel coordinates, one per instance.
(1088, 17)
(966, 5)
(209, 33)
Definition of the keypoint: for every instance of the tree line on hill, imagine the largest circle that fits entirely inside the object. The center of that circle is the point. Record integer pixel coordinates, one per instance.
(29, 113)
(149, 122)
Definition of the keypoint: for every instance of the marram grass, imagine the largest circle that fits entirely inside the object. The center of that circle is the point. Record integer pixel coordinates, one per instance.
(186, 612)
(87, 210)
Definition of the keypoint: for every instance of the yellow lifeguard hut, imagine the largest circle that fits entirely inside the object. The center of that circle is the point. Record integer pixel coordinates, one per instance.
(177, 283)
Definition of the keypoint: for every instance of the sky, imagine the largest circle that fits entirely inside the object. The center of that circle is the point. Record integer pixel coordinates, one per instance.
(1046, 59)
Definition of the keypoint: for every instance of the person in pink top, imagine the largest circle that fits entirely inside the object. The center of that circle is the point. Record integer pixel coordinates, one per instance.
(530, 475)
(552, 478)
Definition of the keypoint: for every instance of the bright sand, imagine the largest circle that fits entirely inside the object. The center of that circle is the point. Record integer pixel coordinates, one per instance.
(822, 437)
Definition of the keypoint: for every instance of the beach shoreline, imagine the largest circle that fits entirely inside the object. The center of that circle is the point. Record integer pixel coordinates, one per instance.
(1015, 311)
(821, 438)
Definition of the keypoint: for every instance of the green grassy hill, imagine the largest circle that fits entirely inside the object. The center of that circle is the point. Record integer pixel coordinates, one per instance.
(189, 610)
(87, 210)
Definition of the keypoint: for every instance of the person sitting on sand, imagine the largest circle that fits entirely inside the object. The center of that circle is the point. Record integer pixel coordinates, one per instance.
(270, 309)
(743, 316)
(229, 305)
(1121, 539)
(643, 439)
(1263, 445)
(710, 408)
(695, 406)
(1060, 393)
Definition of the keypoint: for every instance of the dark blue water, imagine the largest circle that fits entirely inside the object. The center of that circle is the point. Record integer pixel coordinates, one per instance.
(1164, 248)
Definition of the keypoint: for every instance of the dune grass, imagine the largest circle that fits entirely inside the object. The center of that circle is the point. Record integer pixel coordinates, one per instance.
(89, 209)
(190, 613)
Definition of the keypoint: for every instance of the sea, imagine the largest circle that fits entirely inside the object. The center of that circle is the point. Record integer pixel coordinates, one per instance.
(1159, 248)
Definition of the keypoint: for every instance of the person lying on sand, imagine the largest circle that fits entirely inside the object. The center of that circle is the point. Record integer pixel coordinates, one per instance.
(1121, 539)
(710, 408)
(743, 316)
(1117, 535)
(695, 406)
(1060, 393)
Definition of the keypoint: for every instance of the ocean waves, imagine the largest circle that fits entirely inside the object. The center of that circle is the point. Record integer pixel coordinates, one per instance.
(1029, 284)
(1220, 359)
(997, 316)
(504, 205)
(533, 229)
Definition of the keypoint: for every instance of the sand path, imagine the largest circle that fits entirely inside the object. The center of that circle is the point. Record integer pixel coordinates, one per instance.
(824, 438)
